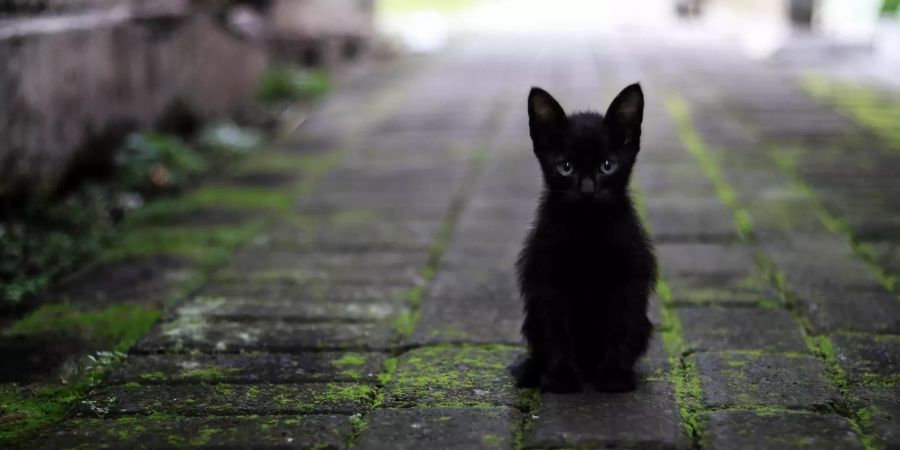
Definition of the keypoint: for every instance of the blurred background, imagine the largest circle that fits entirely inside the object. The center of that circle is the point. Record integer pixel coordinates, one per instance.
(108, 104)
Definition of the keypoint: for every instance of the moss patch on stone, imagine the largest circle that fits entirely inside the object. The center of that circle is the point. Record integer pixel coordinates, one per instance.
(680, 111)
(208, 246)
(115, 327)
(875, 110)
(453, 375)
(835, 224)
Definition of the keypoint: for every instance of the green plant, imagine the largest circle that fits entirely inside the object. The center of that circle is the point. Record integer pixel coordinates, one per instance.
(289, 84)
(49, 239)
(153, 161)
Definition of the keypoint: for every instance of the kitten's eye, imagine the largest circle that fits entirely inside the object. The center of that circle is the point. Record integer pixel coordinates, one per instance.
(608, 167)
(565, 168)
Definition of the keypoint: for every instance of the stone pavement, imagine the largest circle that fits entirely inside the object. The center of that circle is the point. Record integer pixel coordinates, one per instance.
(379, 311)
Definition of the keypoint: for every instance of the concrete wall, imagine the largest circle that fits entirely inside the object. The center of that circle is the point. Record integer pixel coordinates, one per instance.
(76, 73)
(70, 81)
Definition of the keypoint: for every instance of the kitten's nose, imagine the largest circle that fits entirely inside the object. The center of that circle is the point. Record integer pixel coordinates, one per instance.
(587, 186)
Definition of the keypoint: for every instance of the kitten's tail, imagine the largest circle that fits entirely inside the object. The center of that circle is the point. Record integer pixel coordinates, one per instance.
(526, 371)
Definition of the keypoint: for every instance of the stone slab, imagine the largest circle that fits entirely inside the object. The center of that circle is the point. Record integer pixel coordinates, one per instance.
(645, 418)
(477, 306)
(758, 379)
(877, 408)
(716, 329)
(258, 368)
(848, 310)
(726, 430)
(868, 358)
(453, 376)
(296, 310)
(450, 428)
(197, 334)
(275, 432)
(226, 399)
(690, 219)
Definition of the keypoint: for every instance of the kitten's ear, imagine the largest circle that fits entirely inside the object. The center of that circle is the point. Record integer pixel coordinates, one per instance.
(626, 112)
(545, 117)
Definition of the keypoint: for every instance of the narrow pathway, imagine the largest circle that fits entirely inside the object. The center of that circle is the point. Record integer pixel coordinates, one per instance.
(380, 311)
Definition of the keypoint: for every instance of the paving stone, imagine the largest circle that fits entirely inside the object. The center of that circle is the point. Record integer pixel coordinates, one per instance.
(885, 253)
(145, 280)
(450, 428)
(301, 432)
(777, 429)
(868, 358)
(654, 312)
(479, 306)
(410, 276)
(289, 291)
(250, 261)
(811, 262)
(337, 232)
(197, 334)
(654, 365)
(878, 408)
(704, 260)
(400, 207)
(261, 368)
(645, 418)
(839, 309)
(715, 329)
(753, 379)
(453, 376)
(293, 310)
(201, 218)
(690, 219)
(227, 399)
(722, 290)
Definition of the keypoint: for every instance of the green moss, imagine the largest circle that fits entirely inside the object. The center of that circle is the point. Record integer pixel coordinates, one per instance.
(25, 410)
(688, 394)
(211, 373)
(681, 113)
(349, 359)
(211, 196)
(528, 400)
(449, 375)
(204, 436)
(786, 162)
(390, 366)
(116, 327)
(358, 425)
(280, 84)
(404, 324)
(877, 111)
(156, 376)
(355, 393)
(208, 246)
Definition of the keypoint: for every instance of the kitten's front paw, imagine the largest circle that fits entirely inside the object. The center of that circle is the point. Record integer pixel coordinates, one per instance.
(561, 382)
(615, 381)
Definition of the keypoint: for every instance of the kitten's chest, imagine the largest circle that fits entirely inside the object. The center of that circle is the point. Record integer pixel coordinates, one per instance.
(588, 256)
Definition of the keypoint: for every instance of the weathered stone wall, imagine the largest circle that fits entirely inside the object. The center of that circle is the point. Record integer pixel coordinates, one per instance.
(320, 32)
(70, 80)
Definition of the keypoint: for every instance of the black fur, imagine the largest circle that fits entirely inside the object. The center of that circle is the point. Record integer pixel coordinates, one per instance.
(587, 267)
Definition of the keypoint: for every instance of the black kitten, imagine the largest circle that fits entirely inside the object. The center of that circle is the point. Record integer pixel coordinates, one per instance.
(588, 266)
